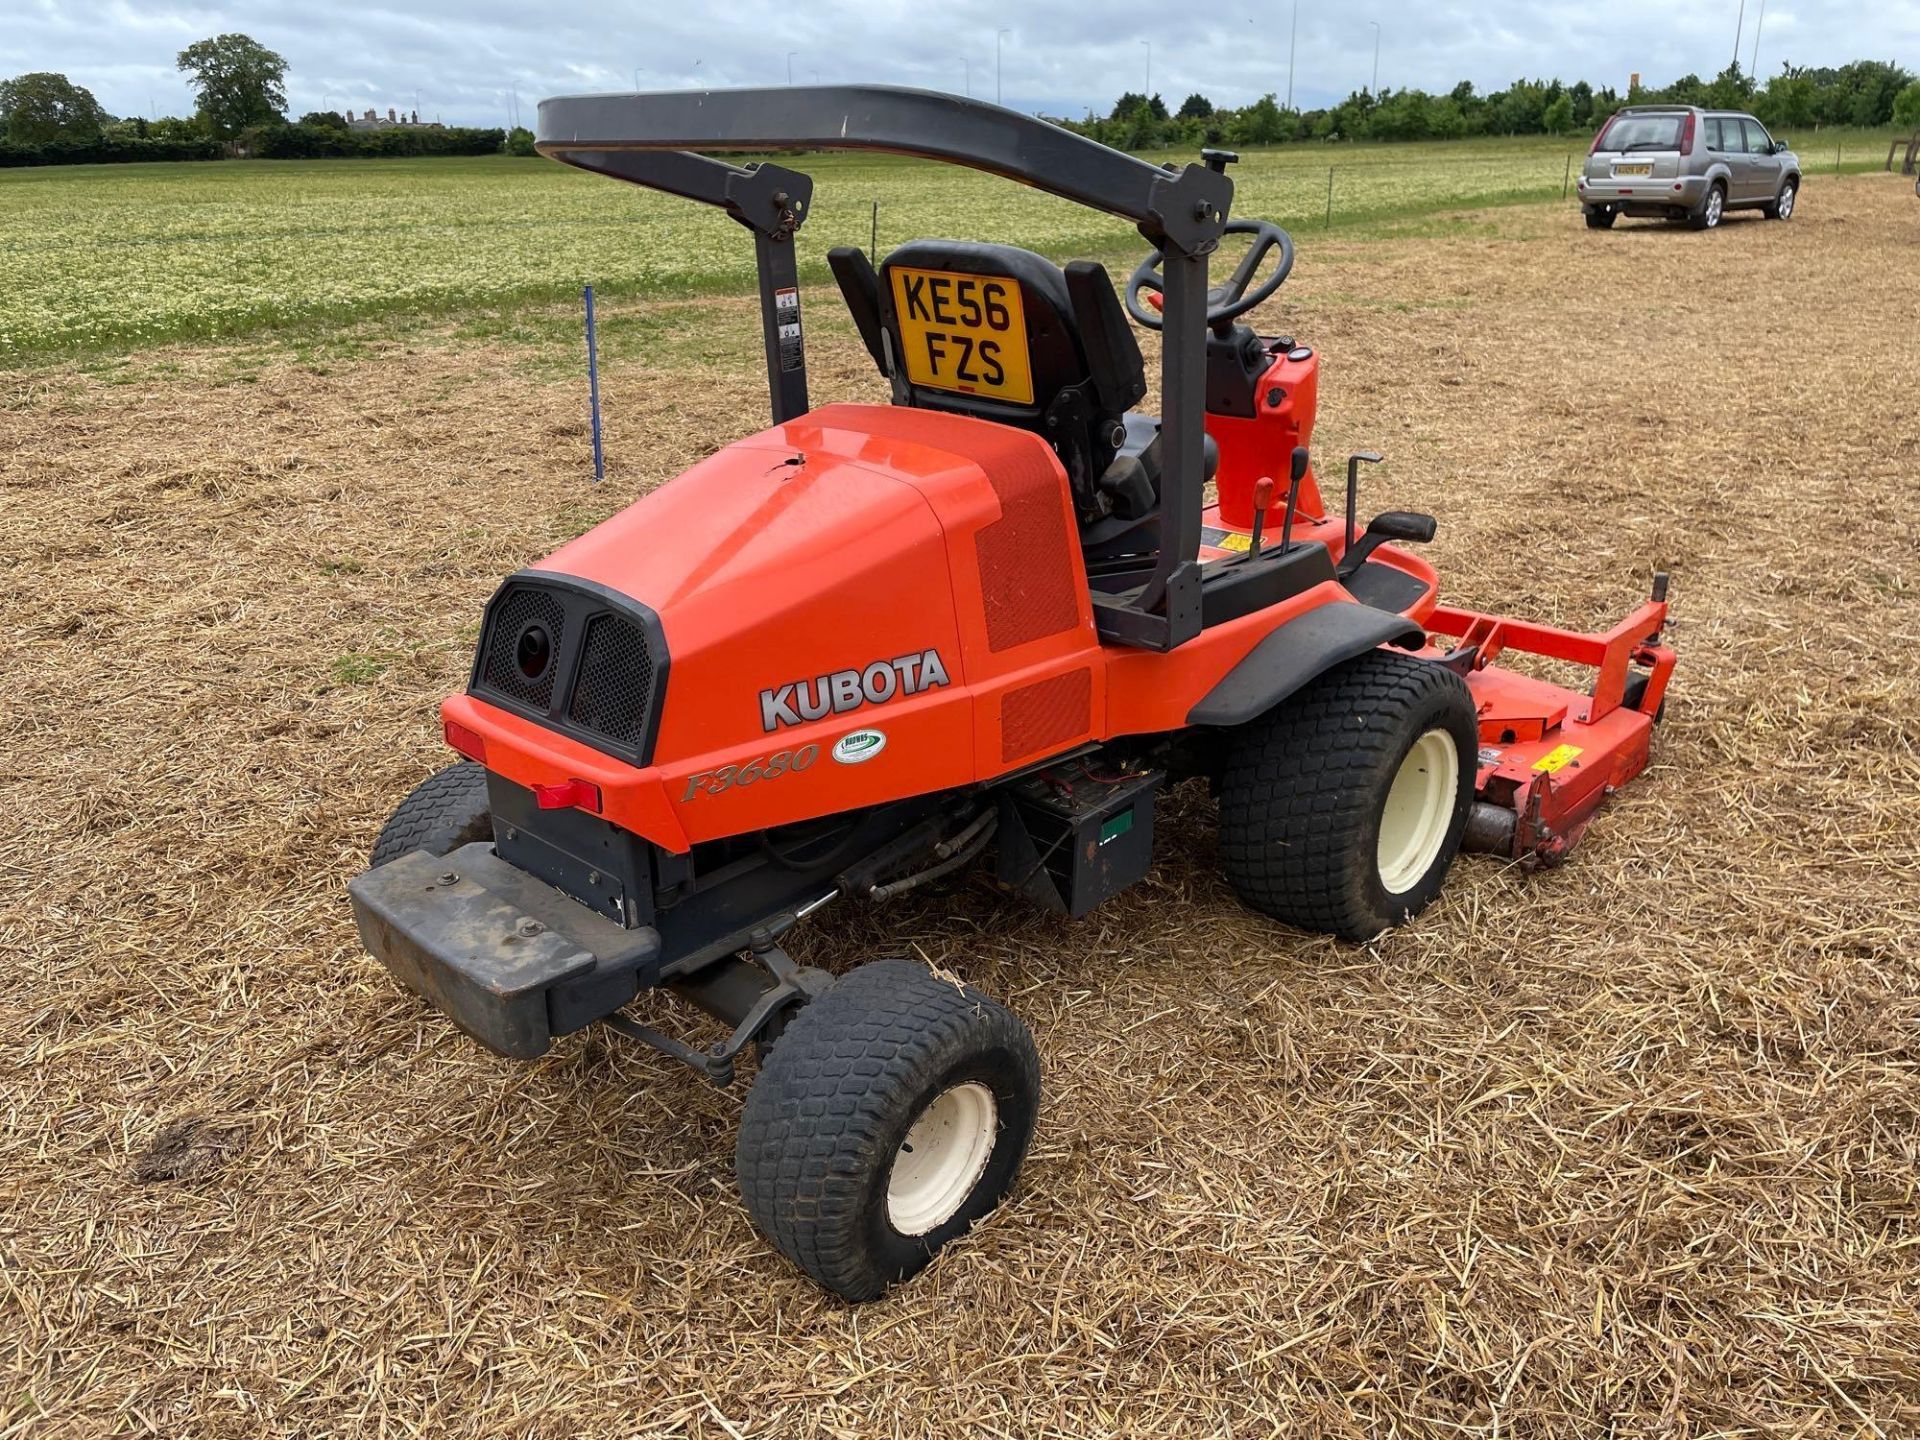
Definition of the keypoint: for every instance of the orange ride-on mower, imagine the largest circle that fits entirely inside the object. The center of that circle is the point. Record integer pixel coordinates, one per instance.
(989, 621)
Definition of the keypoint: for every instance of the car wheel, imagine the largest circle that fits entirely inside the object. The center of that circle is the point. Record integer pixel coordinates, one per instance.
(1711, 210)
(1781, 206)
(1600, 217)
(893, 1114)
(445, 811)
(1342, 808)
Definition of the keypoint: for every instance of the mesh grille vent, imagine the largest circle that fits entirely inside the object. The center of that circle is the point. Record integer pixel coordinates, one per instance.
(616, 681)
(521, 608)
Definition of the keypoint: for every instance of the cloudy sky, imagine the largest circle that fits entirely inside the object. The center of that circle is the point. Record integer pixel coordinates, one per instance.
(466, 61)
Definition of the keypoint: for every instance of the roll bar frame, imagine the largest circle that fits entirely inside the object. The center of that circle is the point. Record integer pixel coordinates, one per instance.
(655, 140)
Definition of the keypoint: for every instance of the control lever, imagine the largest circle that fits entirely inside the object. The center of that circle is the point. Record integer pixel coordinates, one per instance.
(1262, 498)
(1296, 474)
(1372, 457)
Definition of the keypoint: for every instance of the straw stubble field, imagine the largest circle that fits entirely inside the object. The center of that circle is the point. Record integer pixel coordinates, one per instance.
(1624, 1148)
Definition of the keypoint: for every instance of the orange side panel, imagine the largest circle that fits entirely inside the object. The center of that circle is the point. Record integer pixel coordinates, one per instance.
(1020, 597)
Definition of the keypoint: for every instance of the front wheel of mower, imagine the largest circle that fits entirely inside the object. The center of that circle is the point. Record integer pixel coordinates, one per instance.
(894, 1112)
(445, 811)
(1343, 806)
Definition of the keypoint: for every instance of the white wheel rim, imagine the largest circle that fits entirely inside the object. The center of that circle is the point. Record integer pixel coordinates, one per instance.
(942, 1159)
(1786, 202)
(1418, 812)
(1713, 208)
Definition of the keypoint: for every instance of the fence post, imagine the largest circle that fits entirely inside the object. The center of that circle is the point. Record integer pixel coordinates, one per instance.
(1567, 179)
(593, 389)
(873, 240)
(1329, 195)
(1836, 157)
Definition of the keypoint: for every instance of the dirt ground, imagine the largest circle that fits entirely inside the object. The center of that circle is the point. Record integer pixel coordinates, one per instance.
(1627, 1148)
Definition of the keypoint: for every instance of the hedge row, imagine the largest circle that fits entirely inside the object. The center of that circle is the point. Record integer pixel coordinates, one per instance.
(266, 142)
(108, 152)
(323, 142)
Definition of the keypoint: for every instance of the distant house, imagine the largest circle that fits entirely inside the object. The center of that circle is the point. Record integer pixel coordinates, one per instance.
(394, 121)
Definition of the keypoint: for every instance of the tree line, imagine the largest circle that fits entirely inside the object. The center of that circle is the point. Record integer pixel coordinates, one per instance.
(239, 87)
(1866, 92)
(240, 91)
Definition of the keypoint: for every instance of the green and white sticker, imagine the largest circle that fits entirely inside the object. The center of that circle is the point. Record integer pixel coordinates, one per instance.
(859, 747)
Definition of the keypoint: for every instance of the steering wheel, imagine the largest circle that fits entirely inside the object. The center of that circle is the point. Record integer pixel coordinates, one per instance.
(1228, 301)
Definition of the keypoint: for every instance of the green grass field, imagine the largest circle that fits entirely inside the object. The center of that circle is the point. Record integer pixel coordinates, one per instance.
(115, 258)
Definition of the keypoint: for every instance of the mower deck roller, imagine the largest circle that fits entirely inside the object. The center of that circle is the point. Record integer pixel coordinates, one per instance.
(979, 626)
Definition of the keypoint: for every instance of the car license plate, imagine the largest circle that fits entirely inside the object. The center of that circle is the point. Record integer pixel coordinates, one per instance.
(964, 333)
(1646, 169)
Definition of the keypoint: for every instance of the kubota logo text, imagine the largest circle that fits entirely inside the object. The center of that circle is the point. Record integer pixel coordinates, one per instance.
(801, 700)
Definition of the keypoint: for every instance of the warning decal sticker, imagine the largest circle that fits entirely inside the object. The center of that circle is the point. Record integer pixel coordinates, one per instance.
(786, 310)
(1225, 539)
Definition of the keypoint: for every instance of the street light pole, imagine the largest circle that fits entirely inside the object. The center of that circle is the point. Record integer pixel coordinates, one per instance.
(1739, 24)
(1753, 68)
(1375, 91)
(790, 55)
(1149, 45)
(998, 36)
(1293, 36)
(969, 64)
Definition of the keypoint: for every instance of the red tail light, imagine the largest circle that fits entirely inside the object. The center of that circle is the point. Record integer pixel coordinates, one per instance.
(567, 795)
(467, 742)
(1686, 134)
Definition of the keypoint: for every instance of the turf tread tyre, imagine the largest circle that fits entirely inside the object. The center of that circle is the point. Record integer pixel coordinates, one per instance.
(445, 811)
(834, 1099)
(1306, 783)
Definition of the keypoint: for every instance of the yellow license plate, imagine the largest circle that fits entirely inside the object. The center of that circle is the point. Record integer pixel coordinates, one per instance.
(964, 333)
(1633, 169)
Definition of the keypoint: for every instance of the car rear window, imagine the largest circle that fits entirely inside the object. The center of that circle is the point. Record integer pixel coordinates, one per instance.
(1641, 132)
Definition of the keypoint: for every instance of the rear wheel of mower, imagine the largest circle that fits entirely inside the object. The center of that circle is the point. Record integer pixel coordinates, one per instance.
(1343, 807)
(894, 1112)
(1599, 217)
(445, 811)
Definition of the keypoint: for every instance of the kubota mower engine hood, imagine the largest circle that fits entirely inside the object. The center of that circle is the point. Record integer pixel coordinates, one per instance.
(844, 577)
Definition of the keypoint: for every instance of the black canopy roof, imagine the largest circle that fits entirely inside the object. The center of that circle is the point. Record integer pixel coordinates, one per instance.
(1187, 206)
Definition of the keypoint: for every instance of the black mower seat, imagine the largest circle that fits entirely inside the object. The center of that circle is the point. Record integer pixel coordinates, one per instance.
(1000, 333)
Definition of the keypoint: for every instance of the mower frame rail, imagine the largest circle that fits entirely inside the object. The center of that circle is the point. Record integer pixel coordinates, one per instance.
(654, 140)
(1550, 755)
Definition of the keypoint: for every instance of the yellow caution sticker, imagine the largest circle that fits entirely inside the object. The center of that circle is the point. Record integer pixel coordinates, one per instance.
(1220, 538)
(1556, 758)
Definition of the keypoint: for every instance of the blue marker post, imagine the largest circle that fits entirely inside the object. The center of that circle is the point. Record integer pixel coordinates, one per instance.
(593, 387)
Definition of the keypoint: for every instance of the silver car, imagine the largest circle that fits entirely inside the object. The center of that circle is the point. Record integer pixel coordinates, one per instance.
(1679, 162)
